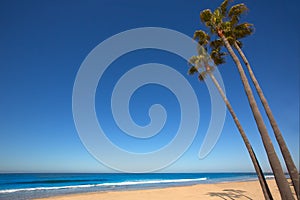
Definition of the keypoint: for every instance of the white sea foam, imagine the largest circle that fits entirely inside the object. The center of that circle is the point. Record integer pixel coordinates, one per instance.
(269, 176)
(140, 182)
(46, 188)
(125, 183)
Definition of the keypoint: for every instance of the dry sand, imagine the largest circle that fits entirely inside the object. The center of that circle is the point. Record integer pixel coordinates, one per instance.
(232, 190)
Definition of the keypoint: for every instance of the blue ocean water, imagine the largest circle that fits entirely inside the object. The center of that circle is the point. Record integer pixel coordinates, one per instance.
(29, 186)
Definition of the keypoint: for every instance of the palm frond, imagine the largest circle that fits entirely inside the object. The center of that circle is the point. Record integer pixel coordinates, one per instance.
(218, 56)
(237, 10)
(226, 26)
(211, 27)
(202, 37)
(201, 51)
(193, 60)
(223, 7)
(243, 30)
(216, 44)
(202, 75)
(218, 60)
(206, 15)
(192, 70)
(230, 39)
(217, 17)
(234, 20)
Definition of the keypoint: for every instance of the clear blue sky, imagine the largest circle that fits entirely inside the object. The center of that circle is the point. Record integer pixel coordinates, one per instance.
(43, 43)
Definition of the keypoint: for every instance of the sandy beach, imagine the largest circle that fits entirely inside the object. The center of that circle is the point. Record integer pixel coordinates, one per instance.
(230, 190)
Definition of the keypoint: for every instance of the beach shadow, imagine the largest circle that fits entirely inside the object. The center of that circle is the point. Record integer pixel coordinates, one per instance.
(230, 194)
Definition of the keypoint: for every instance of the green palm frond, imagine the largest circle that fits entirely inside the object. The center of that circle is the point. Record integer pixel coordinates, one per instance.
(218, 56)
(218, 43)
(226, 26)
(234, 20)
(192, 70)
(223, 7)
(193, 60)
(230, 39)
(202, 37)
(206, 15)
(237, 10)
(243, 30)
(217, 17)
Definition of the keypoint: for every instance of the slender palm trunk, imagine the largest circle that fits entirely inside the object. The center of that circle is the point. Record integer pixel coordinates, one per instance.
(261, 177)
(293, 172)
(281, 181)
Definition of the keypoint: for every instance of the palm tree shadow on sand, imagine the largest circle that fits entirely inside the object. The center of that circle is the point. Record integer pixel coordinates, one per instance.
(230, 194)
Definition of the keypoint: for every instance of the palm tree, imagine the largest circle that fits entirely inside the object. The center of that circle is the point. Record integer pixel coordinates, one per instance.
(293, 172)
(234, 32)
(214, 21)
(202, 61)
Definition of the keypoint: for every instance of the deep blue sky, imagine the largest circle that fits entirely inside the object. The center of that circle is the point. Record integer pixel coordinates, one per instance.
(43, 43)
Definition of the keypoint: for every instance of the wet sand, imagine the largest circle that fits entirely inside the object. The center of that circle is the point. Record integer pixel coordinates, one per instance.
(230, 190)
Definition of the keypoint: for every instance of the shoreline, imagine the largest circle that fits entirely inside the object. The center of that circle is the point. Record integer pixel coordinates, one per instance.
(223, 190)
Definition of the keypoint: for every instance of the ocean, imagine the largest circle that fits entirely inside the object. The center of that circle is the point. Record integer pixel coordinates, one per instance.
(36, 185)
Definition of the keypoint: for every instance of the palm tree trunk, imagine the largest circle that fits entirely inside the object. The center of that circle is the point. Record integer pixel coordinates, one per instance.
(261, 177)
(293, 172)
(281, 181)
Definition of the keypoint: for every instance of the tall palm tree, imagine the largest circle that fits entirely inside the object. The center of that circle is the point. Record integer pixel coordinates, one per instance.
(234, 32)
(214, 21)
(293, 172)
(291, 167)
(202, 61)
